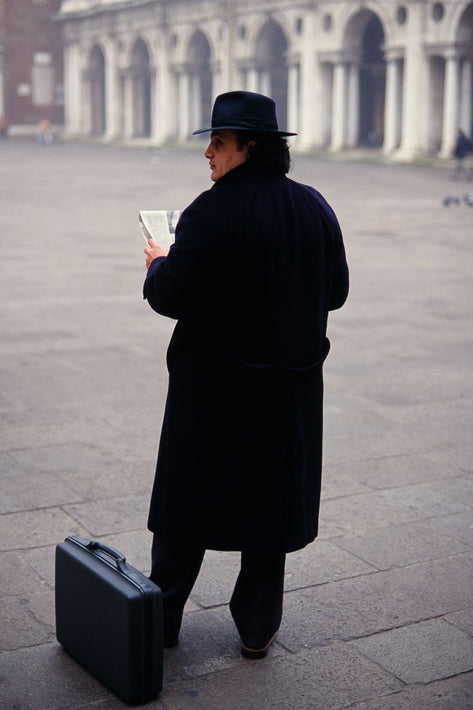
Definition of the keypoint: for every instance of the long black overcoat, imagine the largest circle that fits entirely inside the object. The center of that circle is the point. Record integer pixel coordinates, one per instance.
(257, 264)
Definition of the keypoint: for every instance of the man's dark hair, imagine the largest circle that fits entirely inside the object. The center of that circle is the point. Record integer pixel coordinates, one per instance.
(270, 151)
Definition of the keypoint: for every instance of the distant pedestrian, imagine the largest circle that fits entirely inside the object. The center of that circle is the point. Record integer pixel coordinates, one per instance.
(462, 148)
(44, 132)
(3, 128)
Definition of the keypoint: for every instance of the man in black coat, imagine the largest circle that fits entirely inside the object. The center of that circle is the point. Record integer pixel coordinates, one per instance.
(257, 264)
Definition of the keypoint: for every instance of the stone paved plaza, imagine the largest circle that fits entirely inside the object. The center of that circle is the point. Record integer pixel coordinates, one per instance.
(379, 610)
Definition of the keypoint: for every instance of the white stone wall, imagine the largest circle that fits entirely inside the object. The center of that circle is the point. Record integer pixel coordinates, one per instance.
(393, 76)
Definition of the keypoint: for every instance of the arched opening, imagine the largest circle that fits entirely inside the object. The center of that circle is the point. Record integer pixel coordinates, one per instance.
(271, 65)
(365, 44)
(200, 77)
(97, 91)
(372, 84)
(141, 89)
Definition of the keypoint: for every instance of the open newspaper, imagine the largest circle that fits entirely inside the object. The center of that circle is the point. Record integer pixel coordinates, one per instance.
(159, 225)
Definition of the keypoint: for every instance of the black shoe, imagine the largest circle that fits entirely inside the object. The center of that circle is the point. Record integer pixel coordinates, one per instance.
(255, 653)
(171, 627)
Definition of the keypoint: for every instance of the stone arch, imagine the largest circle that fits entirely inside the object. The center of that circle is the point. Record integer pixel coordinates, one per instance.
(270, 61)
(364, 43)
(200, 79)
(96, 76)
(141, 89)
(464, 34)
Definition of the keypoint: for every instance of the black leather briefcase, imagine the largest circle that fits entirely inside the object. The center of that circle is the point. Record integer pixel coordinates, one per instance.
(109, 618)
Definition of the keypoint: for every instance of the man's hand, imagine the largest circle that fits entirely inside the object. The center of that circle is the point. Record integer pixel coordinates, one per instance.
(152, 251)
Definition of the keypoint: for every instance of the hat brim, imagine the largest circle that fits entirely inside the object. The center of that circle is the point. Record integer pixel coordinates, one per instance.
(239, 128)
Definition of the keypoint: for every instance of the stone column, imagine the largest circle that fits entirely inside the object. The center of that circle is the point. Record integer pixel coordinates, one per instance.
(73, 120)
(127, 79)
(226, 74)
(153, 79)
(312, 97)
(85, 102)
(252, 80)
(158, 96)
(293, 96)
(165, 100)
(466, 117)
(112, 92)
(393, 104)
(265, 83)
(183, 102)
(353, 109)
(2, 80)
(339, 106)
(219, 81)
(451, 104)
(195, 103)
(321, 103)
(415, 87)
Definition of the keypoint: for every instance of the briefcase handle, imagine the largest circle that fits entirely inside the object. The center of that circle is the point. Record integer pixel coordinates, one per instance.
(117, 556)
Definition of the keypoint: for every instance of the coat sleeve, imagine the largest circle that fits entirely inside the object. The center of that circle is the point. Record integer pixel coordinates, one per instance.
(340, 277)
(340, 281)
(177, 285)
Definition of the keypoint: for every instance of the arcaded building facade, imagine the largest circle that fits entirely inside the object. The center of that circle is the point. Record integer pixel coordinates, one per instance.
(392, 75)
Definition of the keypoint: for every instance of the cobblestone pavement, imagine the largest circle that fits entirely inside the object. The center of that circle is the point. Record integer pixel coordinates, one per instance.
(379, 610)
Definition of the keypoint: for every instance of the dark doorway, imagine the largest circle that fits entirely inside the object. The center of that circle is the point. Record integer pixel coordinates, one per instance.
(372, 84)
(97, 92)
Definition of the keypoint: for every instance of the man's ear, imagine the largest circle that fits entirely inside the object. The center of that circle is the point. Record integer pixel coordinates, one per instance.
(248, 146)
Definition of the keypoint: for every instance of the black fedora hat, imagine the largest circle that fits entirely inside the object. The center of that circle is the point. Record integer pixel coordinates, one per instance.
(244, 111)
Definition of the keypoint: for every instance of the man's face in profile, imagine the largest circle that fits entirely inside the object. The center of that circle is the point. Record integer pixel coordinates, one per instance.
(223, 153)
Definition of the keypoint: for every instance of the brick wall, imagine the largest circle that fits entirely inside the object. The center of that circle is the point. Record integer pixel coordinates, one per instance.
(32, 61)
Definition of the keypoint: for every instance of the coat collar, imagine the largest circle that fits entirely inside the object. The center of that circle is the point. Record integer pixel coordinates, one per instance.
(239, 173)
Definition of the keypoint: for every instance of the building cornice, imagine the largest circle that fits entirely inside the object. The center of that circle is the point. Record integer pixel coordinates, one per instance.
(77, 12)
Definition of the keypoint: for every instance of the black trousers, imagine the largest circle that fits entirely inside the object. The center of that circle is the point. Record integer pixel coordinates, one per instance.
(257, 599)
